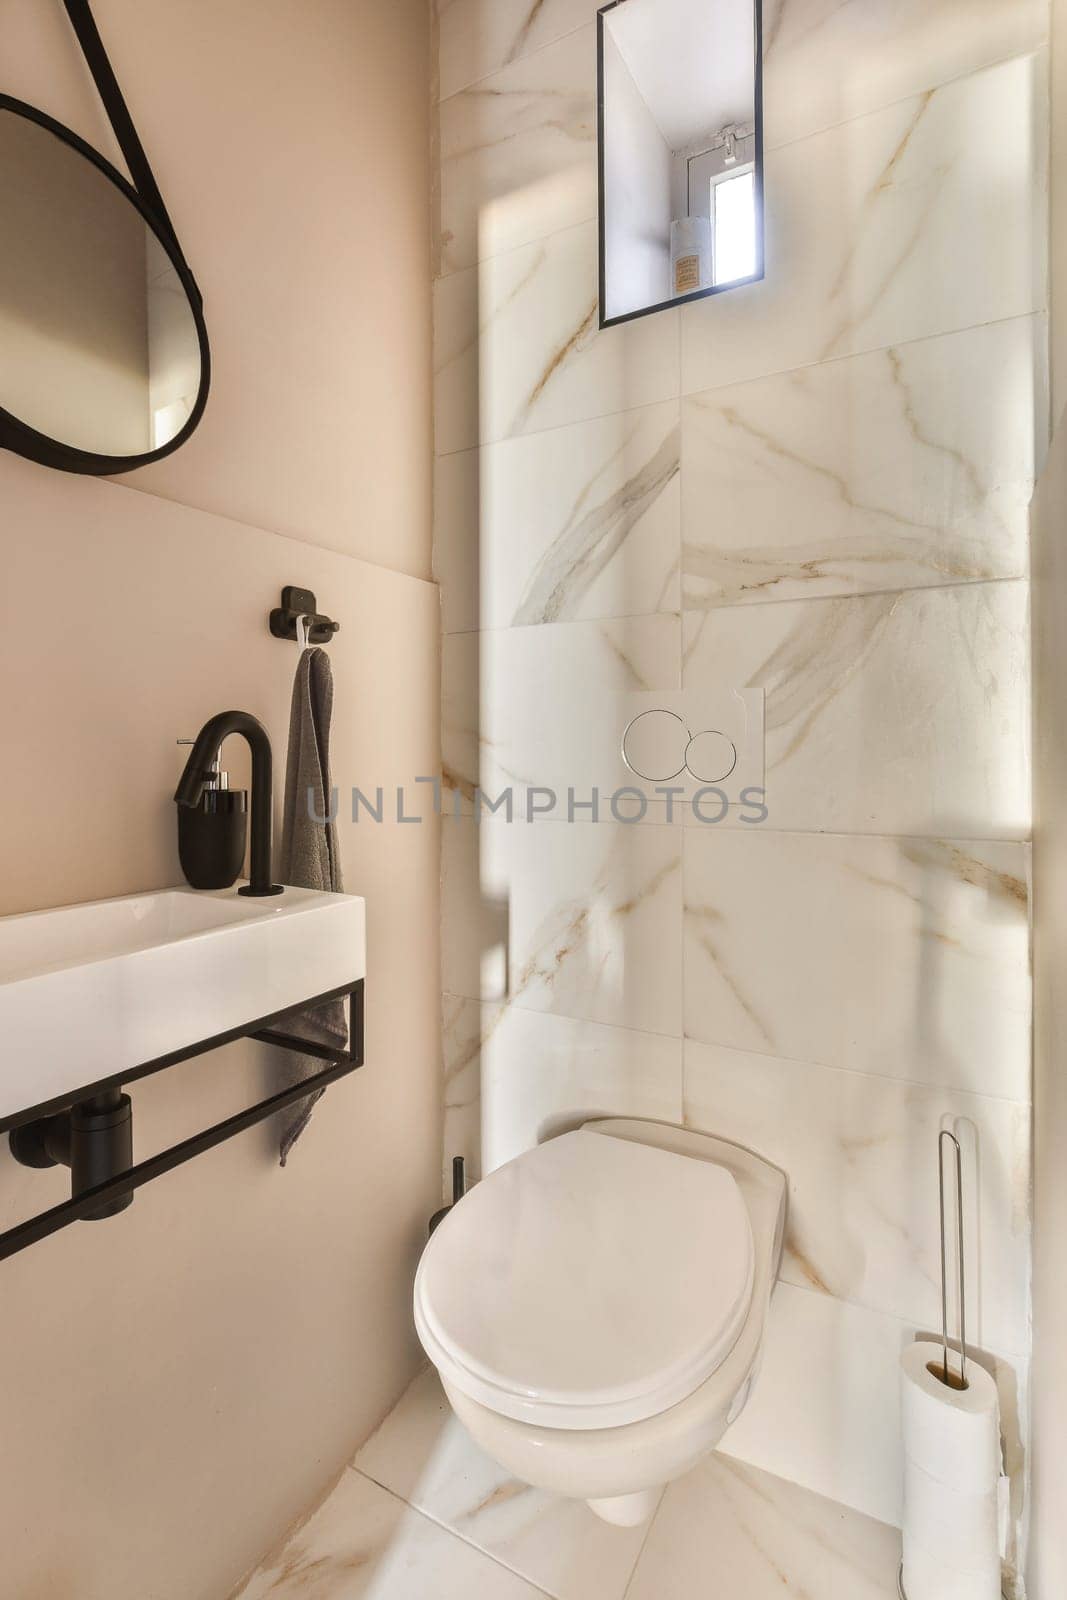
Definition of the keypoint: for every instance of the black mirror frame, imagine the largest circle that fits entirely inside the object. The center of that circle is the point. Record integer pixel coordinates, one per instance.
(717, 288)
(26, 441)
(145, 197)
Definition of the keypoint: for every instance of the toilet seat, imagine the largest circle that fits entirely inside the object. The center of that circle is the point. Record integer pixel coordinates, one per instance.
(589, 1283)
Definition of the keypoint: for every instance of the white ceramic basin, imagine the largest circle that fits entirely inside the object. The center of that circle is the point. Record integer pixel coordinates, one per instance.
(93, 990)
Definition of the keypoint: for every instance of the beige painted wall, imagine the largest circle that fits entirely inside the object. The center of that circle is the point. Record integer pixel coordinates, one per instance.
(288, 139)
(178, 1384)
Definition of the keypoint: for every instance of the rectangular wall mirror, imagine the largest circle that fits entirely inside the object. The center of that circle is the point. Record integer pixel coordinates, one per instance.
(681, 152)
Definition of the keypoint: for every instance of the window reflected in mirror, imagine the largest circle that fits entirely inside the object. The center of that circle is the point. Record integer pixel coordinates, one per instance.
(681, 159)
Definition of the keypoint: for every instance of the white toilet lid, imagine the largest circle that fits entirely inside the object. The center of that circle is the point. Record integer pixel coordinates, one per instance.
(591, 1282)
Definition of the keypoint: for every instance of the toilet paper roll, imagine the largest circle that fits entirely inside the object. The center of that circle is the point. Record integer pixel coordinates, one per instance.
(963, 1529)
(953, 1434)
(925, 1574)
(952, 1469)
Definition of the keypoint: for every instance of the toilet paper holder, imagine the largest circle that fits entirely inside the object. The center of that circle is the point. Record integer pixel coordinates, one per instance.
(951, 1379)
(943, 1373)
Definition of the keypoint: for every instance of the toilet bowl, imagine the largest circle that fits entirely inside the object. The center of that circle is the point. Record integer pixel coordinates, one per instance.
(596, 1307)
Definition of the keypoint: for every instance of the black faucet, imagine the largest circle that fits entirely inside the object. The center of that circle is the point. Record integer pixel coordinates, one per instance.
(198, 772)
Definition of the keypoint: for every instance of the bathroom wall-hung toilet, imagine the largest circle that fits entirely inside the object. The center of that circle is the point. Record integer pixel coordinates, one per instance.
(596, 1307)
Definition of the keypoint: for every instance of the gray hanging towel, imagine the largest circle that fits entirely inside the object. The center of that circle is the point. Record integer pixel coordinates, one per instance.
(309, 860)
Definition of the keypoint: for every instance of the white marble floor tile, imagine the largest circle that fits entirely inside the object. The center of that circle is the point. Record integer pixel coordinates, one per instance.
(729, 1530)
(518, 155)
(422, 1453)
(824, 62)
(825, 1411)
(890, 713)
(477, 37)
(547, 707)
(907, 958)
(577, 522)
(824, 1414)
(903, 224)
(365, 1544)
(518, 349)
(581, 920)
(514, 1078)
(903, 467)
(861, 1156)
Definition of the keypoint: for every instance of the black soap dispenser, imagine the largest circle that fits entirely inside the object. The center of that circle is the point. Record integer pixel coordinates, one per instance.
(211, 835)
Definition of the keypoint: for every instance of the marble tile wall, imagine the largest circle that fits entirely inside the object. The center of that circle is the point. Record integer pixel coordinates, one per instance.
(828, 441)
(816, 486)
(902, 224)
(518, 153)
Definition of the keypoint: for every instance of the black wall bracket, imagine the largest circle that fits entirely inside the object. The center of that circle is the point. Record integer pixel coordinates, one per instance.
(93, 1136)
(297, 603)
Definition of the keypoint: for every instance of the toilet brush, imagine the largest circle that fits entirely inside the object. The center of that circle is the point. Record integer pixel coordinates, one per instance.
(459, 1189)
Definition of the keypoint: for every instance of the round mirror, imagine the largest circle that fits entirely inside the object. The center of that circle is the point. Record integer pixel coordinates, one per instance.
(104, 359)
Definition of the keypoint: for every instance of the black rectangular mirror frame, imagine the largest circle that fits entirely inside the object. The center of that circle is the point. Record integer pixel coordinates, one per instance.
(718, 288)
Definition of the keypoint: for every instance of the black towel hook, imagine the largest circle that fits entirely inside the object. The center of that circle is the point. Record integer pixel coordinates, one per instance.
(297, 603)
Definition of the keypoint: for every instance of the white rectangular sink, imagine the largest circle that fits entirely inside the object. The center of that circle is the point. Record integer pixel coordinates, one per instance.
(91, 991)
